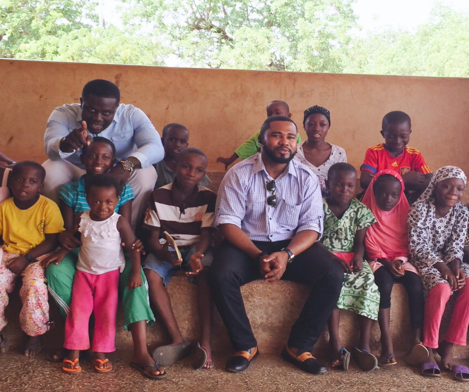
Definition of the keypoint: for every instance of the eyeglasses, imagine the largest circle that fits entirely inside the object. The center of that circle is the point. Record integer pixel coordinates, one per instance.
(271, 200)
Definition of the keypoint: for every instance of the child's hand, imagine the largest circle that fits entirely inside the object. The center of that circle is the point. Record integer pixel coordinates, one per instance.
(68, 240)
(196, 264)
(18, 264)
(398, 265)
(55, 257)
(447, 275)
(137, 246)
(356, 264)
(343, 264)
(135, 280)
(414, 178)
(394, 268)
(461, 278)
(165, 255)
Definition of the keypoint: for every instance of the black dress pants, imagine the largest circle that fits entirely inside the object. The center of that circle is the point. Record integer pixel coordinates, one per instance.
(233, 268)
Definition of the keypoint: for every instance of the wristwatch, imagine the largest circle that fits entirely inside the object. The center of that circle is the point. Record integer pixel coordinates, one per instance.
(30, 258)
(127, 165)
(290, 254)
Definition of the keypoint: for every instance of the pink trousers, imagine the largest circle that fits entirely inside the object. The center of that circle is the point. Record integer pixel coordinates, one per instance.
(98, 293)
(434, 308)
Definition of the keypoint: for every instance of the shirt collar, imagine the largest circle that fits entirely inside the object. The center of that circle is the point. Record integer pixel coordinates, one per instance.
(259, 166)
(186, 202)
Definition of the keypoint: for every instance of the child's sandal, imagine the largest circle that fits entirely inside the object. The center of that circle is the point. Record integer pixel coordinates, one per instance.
(387, 360)
(74, 367)
(99, 365)
(343, 361)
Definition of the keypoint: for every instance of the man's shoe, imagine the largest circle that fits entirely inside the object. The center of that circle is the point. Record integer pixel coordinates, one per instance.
(305, 361)
(241, 360)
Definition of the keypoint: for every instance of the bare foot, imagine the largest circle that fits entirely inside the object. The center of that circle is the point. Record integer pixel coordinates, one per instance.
(446, 353)
(33, 346)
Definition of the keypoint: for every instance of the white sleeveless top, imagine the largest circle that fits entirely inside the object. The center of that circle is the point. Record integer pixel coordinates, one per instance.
(101, 249)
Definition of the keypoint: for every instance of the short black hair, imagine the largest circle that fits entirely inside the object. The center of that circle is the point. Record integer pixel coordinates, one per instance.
(167, 127)
(396, 117)
(101, 88)
(191, 151)
(270, 120)
(103, 181)
(283, 103)
(19, 165)
(339, 168)
(100, 139)
(384, 178)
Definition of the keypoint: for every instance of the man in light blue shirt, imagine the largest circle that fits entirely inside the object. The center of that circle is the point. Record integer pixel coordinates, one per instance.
(138, 144)
(269, 209)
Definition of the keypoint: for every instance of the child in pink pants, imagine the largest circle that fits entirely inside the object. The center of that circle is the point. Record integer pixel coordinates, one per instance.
(437, 228)
(95, 285)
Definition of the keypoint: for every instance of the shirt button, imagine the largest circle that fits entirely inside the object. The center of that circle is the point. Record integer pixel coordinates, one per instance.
(271, 235)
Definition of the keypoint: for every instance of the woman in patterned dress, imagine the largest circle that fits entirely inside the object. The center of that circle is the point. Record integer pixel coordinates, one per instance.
(437, 228)
(345, 224)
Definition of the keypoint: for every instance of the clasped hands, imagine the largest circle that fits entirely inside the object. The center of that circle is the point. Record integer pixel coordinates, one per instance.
(273, 266)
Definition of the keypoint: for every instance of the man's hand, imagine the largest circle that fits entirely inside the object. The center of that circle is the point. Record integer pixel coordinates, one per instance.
(55, 257)
(273, 266)
(68, 240)
(395, 268)
(414, 178)
(356, 264)
(347, 268)
(196, 264)
(120, 173)
(18, 264)
(135, 280)
(447, 275)
(165, 255)
(76, 139)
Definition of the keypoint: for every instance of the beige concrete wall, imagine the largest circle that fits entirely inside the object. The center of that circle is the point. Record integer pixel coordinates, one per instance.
(222, 108)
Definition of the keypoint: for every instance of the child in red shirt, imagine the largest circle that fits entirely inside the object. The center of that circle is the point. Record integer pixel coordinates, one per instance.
(395, 155)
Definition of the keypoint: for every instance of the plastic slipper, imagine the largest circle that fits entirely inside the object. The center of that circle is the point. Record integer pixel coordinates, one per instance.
(200, 357)
(366, 360)
(460, 373)
(344, 360)
(102, 369)
(428, 369)
(143, 369)
(170, 354)
(418, 354)
(387, 360)
(75, 366)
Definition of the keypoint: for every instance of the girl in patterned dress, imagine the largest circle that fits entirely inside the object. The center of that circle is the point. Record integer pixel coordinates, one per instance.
(387, 247)
(437, 226)
(346, 221)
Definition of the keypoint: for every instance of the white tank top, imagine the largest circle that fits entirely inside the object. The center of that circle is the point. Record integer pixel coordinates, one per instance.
(101, 249)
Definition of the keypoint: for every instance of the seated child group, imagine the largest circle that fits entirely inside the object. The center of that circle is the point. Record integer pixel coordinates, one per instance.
(406, 225)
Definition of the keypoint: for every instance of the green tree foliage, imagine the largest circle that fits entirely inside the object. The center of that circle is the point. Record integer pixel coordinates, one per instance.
(282, 35)
(295, 35)
(439, 47)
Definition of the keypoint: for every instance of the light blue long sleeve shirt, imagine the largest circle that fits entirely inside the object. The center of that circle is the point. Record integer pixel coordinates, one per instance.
(131, 131)
(242, 201)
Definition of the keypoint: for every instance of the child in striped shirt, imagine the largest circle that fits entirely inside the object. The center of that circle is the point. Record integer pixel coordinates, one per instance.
(186, 211)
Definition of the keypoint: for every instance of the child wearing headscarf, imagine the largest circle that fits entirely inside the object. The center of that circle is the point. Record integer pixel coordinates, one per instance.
(437, 227)
(386, 244)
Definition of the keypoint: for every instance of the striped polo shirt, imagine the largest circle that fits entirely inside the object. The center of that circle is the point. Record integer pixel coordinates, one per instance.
(182, 220)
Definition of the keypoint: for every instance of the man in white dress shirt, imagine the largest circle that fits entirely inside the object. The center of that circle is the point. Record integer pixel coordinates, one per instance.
(138, 144)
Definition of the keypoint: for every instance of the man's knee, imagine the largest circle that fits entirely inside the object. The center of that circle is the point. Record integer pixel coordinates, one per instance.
(143, 180)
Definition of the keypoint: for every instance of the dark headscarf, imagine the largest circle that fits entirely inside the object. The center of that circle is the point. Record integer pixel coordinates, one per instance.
(317, 109)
